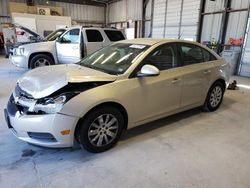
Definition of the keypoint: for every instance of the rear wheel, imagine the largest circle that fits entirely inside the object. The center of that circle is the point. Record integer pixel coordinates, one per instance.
(41, 60)
(214, 97)
(101, 129)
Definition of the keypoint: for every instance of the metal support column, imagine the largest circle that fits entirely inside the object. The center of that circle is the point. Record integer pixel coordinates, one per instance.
(224, 23)
(144, 6)
(201, 18)
(165, 19)
(180, 23)
(152, 18)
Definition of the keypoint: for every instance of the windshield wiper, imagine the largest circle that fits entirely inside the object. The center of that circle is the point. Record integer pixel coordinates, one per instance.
(99, 69)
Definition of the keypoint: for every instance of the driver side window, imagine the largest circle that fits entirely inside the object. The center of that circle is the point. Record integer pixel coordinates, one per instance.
(163, 57)
(71, 36)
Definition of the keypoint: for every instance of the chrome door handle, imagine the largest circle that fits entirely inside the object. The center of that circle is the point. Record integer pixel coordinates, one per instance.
(176, 80)
(75, 48)
(207, 71)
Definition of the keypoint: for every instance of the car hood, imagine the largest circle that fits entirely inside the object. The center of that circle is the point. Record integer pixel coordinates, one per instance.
(28, 30)
(42, 82)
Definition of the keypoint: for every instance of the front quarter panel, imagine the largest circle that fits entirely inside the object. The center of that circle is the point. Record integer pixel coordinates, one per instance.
(118, 92)
(39, 47)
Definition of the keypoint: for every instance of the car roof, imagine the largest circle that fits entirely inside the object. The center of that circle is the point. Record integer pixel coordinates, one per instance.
(90, 27)
(151, 42)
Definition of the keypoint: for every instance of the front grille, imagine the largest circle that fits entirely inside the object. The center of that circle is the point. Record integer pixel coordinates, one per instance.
(42, 136)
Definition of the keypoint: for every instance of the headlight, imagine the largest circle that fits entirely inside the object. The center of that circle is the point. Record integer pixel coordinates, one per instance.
(19, 51)
(54, 104)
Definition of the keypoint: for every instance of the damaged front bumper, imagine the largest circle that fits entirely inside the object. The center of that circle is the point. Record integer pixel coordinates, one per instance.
(46, 130)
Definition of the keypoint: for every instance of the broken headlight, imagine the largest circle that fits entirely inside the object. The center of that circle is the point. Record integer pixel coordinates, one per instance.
(19, 51)
(53, 105)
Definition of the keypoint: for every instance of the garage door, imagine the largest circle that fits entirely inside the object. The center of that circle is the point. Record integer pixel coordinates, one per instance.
(244, 68)
(176, 19)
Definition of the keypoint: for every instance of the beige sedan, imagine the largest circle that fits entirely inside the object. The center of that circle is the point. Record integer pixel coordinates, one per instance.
(124, 85)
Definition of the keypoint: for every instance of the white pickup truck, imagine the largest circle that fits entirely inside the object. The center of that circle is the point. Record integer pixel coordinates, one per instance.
(70, 47)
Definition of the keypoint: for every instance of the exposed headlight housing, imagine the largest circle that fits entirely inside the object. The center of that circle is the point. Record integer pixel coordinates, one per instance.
(54, 104)
(19, 51)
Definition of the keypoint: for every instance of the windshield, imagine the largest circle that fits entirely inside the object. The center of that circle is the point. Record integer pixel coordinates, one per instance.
(114, 59)
(54, 35)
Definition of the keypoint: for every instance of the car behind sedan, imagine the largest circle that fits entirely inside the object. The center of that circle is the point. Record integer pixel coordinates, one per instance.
(121, 86)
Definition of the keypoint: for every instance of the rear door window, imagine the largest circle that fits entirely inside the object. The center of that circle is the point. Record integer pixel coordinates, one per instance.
(94, 35)
(114, 35)
(208, 56)
(191, 54)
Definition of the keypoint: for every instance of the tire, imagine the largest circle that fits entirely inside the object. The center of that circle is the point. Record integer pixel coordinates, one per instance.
(41, 60)
(97, 136)
(214, 97)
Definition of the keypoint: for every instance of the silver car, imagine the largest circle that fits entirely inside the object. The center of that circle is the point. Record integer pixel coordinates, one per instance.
(121, 86)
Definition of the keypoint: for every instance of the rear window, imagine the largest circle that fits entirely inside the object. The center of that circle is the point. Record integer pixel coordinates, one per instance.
(208, 56)
(114, 35)
(94, 35)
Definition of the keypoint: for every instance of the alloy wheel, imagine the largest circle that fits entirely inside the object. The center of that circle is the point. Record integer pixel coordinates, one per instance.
(103, 130)
(42, 62)
(216, 96)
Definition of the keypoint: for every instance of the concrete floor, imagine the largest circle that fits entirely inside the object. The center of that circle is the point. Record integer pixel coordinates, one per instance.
(191, 149)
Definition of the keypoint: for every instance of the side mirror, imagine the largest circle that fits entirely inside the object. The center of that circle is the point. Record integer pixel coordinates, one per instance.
(148, 70)
(59, 39)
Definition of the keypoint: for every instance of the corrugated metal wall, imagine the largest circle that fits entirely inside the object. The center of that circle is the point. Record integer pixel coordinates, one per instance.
(148, 17)
(190, 19)
(117, 12)
(83, 12)
(159, 18)
(80, 13)
(212, 6)
(212, 22)
(3, 12)
(244, 68)
(173, 19)
(125, 10)
(237, 20)
(211, 27)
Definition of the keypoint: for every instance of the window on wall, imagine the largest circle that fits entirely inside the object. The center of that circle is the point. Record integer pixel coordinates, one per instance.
(94, 35)
(164, 57)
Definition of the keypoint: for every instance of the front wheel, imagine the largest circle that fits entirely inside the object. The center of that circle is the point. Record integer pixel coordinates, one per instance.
(101, 129)
(41, 60)
(214, 97)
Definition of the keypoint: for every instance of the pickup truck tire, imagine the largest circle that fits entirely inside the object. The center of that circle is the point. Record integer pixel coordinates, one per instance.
(41, 60)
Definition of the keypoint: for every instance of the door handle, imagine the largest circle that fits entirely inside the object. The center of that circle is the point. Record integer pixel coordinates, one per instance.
(176, 80)
(207, 71)
(75, 48)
